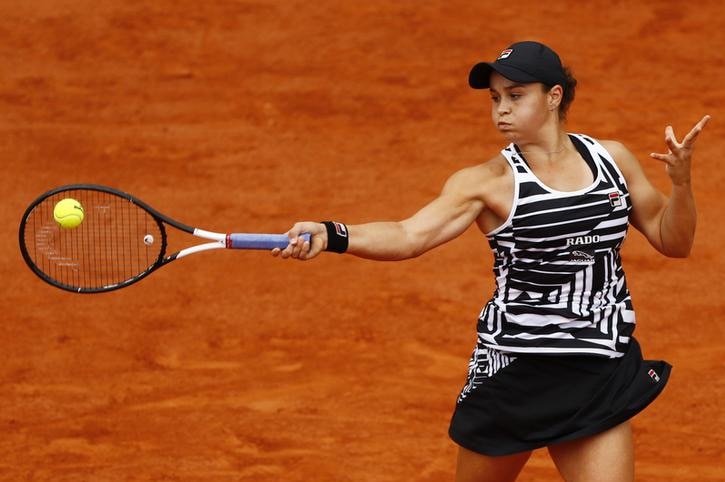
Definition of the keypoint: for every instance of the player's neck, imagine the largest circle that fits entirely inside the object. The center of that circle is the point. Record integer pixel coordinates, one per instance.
(549, 149)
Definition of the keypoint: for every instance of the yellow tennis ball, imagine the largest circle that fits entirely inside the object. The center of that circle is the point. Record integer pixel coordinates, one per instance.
(68, 213)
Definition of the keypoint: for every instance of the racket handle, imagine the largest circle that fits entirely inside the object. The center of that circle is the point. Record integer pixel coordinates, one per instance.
(259, 241)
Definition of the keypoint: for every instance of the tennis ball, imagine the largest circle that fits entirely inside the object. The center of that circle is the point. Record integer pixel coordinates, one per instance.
(68, 213)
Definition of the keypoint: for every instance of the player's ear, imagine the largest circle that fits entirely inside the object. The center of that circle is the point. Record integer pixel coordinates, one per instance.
(554, 97)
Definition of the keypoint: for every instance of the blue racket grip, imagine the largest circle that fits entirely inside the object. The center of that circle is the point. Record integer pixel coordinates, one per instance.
(260, 241)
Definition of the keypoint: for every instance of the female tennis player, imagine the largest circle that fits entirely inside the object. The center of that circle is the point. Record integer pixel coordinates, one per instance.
(555, 363)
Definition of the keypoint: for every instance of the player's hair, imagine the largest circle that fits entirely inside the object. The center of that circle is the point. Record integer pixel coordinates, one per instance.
(569, 92)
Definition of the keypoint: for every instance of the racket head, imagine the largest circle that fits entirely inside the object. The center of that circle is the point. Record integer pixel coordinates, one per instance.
(109, 250)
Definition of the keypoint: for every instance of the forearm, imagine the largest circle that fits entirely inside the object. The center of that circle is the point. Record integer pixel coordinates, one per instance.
(439, 222)
(677, 225)
(381, 241)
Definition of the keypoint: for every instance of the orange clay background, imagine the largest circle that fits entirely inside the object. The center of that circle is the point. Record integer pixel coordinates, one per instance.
(249, 115)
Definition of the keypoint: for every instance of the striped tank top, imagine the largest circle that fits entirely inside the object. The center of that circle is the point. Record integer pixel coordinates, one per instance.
(560, 286)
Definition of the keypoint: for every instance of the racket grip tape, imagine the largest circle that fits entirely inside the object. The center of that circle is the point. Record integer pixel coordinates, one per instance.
(259, 241)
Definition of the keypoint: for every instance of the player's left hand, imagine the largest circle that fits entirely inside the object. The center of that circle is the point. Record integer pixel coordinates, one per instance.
(677, 160)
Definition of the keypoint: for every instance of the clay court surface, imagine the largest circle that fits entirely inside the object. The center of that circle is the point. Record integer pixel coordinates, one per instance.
(247, 116)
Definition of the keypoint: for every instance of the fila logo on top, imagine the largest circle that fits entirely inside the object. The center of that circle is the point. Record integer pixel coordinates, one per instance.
(581, 240)
(615, 199)
(505, 54)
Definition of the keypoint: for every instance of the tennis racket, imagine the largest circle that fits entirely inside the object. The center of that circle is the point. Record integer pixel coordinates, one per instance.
(120, 241)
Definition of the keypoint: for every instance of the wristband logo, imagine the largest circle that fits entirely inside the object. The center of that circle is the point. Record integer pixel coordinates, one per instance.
(340, 229)
(337, 238)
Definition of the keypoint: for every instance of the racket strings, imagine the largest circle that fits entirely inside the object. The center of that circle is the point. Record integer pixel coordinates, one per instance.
(116, 242)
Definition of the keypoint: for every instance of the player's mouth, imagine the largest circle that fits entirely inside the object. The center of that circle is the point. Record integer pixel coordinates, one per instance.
(504, 125)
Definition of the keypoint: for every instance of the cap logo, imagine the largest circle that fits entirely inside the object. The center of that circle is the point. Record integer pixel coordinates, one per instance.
(505, 54)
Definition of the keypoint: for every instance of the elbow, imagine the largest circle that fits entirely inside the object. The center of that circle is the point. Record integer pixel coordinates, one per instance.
(412, 245)
(415, 253)
(406, 252)
(677, 246)
(679, 252)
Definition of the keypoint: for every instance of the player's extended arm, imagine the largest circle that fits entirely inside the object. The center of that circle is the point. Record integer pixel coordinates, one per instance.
(667, 222)
(443, 219)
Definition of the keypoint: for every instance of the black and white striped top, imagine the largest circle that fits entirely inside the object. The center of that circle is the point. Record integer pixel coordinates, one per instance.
(560, 286)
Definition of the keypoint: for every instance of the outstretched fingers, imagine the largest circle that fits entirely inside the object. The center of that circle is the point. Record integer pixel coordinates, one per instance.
(660, 157)
(670, 138)
(691, 136)
(675, 149)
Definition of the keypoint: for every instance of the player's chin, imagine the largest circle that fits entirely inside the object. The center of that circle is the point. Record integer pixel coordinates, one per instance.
(509, 134)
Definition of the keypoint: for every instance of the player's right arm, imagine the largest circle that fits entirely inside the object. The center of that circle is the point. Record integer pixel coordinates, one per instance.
(459, 204)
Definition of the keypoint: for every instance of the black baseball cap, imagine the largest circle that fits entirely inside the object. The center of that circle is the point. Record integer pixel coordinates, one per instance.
(524, 62)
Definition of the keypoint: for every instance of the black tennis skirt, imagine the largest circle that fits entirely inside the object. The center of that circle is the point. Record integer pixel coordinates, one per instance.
(516, 404)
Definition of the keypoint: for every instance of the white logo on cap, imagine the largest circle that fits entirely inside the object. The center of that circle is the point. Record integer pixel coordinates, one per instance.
(505, 54)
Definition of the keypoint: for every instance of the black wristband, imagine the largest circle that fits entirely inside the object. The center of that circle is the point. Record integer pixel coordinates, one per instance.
(337, 239)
